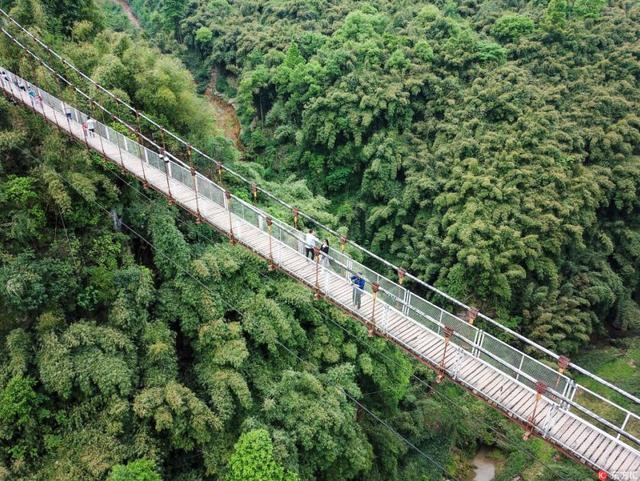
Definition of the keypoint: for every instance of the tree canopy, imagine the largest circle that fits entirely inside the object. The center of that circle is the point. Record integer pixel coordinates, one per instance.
(489, 147)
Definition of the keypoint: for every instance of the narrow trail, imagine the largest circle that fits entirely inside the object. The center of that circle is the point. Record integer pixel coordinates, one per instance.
(127, 9)
(225, 114)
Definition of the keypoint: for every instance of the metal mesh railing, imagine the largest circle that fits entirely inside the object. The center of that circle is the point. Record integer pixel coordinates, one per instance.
(522, 367)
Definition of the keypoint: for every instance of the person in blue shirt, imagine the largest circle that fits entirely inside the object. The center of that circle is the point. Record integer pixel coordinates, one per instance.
(358, 285)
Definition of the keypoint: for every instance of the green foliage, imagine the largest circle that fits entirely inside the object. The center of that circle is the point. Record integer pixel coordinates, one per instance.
(512, 27)
(252, 460)
(588, 8)
(177, 412)
(506, 174)
(22, 415)
(139, 470)
(502, 173)
(87, 359)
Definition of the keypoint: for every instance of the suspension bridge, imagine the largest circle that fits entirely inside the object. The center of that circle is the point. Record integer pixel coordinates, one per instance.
(535, 389)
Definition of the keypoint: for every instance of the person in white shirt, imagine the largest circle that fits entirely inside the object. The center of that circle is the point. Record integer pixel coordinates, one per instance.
(91, 125)
(310, 241)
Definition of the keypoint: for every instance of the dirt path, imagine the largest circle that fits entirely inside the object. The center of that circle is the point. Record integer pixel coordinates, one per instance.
(226, 116)
(127, 9)
(225, 113)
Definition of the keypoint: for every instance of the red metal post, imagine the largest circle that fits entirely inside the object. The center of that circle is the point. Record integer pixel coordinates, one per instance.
(219, 172)
(93, 104)
(296, 213)
(232, 237)
(401, 274)
(119, 148)
(195, 184)
(448, 334)
(563, 364)
(167, 172)
(316, 254)
(145, 183)
(472, 314)
(272, 265)
(375, 287)
(541, 388)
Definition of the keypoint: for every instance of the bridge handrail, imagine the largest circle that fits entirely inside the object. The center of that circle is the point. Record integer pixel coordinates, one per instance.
(58, 105)
(298, 235)
(365, 251)
(356, 246)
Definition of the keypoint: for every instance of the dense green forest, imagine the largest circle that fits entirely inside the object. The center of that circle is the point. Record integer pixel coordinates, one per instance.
(490, 147)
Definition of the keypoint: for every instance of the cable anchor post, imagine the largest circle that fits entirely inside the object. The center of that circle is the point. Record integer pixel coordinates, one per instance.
(472, 314)
(343, 242)
(141, 154)
(195, 189)
(563, 364)
(272, 264)
(219, 172)
(448, 334)
(371, 328)
(401, 273)
(195, 184)
(296, 215)
(167, 172)
(316, 256)
(232, 237)
(93, 105)
(124, 170)
(85, 128)
(541, 388)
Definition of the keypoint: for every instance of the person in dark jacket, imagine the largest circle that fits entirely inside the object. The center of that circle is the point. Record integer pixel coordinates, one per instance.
(358, 286)
(324, 249)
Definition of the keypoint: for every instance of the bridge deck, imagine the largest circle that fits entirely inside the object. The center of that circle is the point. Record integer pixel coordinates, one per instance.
(572, 434)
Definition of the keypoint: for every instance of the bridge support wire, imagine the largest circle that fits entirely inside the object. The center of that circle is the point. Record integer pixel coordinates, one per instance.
(473, 371)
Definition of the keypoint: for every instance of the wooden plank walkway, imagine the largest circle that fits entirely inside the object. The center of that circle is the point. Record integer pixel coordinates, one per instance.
(572, 434)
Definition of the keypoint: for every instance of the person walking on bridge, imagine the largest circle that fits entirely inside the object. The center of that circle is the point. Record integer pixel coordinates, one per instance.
(358, 286)
(67, 112)
(310, 241)
(324, 252)
(91, 125)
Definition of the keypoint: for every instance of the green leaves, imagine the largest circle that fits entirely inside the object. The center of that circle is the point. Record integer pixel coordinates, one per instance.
(511, 27)
(22, 416)
(176, 411)
(87, 359)
(139, 470)
(317, 414)
(253, 460)
(171, 254)
(221, 352)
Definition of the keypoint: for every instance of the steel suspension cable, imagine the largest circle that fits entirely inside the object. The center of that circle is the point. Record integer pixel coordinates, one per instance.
(271, 196)
(237, 309)
(440, 395)
(443, 397)
(34, 108)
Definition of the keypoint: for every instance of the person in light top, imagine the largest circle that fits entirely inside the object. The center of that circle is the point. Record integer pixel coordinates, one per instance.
(91, 125)
(310, 241)
(358, 286)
